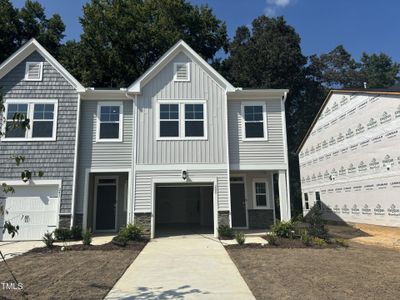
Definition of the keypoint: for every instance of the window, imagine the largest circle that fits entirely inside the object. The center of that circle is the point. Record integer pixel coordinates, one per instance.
(254, 121)
(318, 200)
(260, 193)
(42, 117)
(109, 128)
(306, 203)
(33, 71)
(182, 71)
(194, 120)
(182, 120)
(169, 120)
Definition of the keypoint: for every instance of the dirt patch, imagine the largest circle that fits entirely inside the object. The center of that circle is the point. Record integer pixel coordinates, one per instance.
(281, 243)
(84, 273)
(356, 272)
(383, 236)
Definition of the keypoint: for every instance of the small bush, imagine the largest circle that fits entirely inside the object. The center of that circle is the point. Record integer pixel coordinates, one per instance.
(317, 224)
(306, 238)
(240, 238)
(62, 234)
(272, 239)
(132, 232)
(76, 233)
(339, 241)
(318, 242)
(48, 239)
(224, 231)
(87, 237)
(284, 229)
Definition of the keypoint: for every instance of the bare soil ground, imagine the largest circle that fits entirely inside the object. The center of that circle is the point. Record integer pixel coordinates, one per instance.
(73, 274)
(368, 234)
(356, 272)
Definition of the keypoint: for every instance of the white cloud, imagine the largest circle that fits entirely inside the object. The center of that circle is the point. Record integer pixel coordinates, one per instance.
(272, 5)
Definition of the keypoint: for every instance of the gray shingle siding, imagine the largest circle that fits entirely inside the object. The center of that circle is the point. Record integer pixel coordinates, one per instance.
(55, 158)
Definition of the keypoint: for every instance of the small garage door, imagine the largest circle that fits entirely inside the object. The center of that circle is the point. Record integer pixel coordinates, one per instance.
(33, 208)
(184, 209)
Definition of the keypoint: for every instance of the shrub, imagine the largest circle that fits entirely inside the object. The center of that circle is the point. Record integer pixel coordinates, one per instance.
(317, 224)
(240, 238)
(87, 237)
(306, 238)
(119, 240)
(132, 232)
(76, 233)
(224, 231)
(48, 239)
(283, 229)
(62, 234)
(339, 241)
(318, 241)
(272, 239)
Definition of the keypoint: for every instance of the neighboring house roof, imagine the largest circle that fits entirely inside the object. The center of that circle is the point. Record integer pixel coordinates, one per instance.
(180, 46)
(28, 48)
(385, 91)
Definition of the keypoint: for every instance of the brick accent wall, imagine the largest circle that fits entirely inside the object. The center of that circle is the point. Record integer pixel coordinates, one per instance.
(144, 219)
(260, 218)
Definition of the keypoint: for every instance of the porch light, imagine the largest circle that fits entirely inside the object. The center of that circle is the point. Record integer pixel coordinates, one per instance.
(26, 175)
(184, 175)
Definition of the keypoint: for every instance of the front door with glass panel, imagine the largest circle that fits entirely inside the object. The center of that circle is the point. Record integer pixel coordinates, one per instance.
(105, 203)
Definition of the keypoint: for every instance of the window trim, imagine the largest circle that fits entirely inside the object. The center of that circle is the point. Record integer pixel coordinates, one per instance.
(265, 120)
(306, 197)
(188, 71)
(121, 121)
(28, 134)
(27, 64)
(267, 204)
(182, 119)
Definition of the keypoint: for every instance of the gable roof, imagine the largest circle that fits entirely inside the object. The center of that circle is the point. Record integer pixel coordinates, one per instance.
(27, 49)
(390, 91)
(180, 46)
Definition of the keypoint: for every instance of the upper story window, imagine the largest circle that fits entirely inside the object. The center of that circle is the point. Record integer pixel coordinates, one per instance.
(260, 193)
(40, 114)
(109, 122)
(254, 117)
(306, 202)
(182, 71)
(33, 71)
(182, 120)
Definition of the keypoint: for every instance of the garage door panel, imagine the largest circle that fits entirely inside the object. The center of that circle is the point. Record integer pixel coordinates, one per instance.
(34, 209)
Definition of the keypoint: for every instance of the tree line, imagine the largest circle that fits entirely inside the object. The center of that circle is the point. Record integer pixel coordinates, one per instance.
(122, 38)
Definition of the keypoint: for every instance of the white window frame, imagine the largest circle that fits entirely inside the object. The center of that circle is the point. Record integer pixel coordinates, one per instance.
(264, 108)
(28, 133)
(29, 63)
(121, 121)
(182, 119)
(306, 201)
(267, 198)
(188, 71)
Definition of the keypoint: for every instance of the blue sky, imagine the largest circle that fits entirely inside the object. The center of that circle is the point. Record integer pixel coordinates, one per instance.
(360, 25)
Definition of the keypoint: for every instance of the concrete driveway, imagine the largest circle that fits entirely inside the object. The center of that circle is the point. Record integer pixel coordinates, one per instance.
(12, 249)
(182, 267)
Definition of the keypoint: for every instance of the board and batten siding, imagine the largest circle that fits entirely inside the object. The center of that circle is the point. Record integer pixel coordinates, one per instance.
(163, 87)
(260, 153)
(54, 158)
(145, 178)
(101, 155)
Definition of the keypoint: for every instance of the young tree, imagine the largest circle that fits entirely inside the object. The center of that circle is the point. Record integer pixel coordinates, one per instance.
(123, 38)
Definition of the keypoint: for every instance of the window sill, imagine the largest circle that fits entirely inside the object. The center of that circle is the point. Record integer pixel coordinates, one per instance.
(254, 139)
(262, 208)
(109, 141)
(182, 139)
(28, 140)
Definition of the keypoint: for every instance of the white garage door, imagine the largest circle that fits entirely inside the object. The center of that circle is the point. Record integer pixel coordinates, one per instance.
(33, 208)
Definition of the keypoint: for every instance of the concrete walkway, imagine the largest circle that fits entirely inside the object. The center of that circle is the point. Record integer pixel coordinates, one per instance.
(182, 267)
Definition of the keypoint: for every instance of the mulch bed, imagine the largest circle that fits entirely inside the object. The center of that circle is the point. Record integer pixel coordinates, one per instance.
(138, 246)
(356, 272)
(81, 272)
(281, 243)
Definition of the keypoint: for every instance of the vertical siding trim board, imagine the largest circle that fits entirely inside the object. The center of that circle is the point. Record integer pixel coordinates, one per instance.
(132, 181)
(227, 159)
(285, 148)
(74, 176)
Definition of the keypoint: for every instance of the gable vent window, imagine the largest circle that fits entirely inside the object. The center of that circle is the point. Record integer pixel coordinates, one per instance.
(33, 71)
(182, 72)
